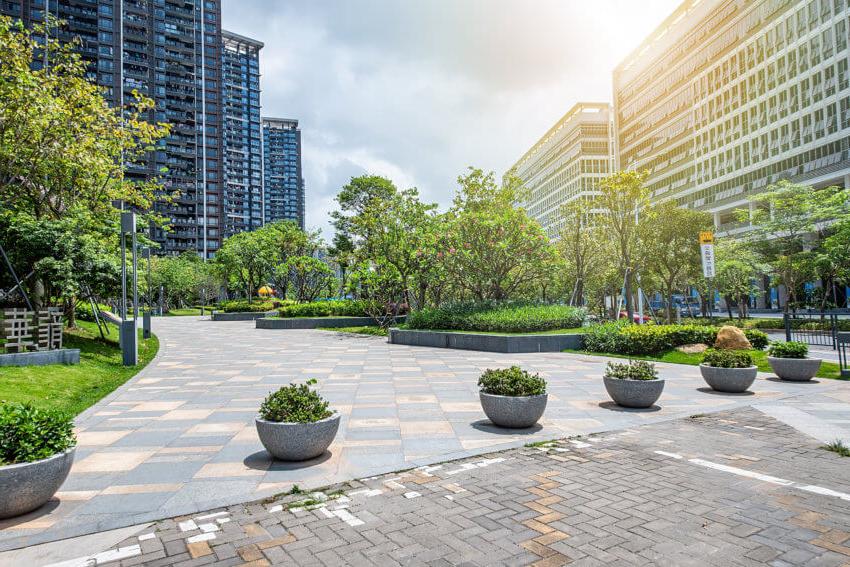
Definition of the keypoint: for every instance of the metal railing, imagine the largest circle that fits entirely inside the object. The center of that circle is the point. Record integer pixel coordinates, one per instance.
(813, 328)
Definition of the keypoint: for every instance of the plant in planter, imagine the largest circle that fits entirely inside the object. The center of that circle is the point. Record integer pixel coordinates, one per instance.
(36, 453)
(731, 371)
(634, 384)
(512, 397)
(790, 361)
(295, 423)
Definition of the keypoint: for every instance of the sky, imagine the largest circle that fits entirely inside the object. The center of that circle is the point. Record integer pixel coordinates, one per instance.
(418, 90)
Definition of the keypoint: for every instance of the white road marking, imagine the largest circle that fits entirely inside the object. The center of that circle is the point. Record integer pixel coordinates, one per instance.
(348, 517)
(412, 494)
(215, 515)
(671, 455)
(104, 557)
(200, 537)
(144, 537)
(276, 508)
(208, 528)
(188, 526)
(367, 492)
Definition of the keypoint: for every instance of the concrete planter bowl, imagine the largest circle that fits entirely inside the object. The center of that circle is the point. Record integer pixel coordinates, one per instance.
(634, 393)
(25, 487)
(297, 441)
(794, 369)
(731, 380)
(514, 412)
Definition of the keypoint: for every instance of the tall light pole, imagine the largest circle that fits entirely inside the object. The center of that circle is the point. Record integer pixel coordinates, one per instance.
(146, 318)
(129, 346)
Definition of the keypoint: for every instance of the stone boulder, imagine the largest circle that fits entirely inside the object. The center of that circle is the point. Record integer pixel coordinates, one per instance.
(731, 338)
(697, 348)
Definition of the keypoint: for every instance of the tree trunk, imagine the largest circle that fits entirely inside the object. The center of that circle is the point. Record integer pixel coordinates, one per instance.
(627, 292)
(69, 305)
(729, 306)
(670, 303)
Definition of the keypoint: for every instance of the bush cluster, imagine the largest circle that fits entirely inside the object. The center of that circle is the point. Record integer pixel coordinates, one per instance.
(497, 317)
(632, 370)
(791, 349)
(720, 358)
(513, 381)
(621, 337)
(242, 305)
(295, 404)
(331, 308)
(29, 434)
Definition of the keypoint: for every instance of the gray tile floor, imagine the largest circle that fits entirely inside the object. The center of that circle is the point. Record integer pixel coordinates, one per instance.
(179, 437)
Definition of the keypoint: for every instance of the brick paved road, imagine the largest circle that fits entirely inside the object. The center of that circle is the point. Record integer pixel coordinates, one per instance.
(732, 488)
(179, 437)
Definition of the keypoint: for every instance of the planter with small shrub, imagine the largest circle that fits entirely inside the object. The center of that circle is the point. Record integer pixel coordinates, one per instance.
(36, 453)
(295, 423)
(512, 397)
(634, 384)
(731, 371)
(790, 361)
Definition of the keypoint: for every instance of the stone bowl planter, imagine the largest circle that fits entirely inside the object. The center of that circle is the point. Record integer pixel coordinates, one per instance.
(25, 487)
(731, 380)
(634, 393)
(297, 441)
(794, 369)
(515, 412)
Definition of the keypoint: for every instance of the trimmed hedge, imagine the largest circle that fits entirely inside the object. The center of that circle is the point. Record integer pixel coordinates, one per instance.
(497, 318)
(332, 308)
(624, 338)
(242, 305)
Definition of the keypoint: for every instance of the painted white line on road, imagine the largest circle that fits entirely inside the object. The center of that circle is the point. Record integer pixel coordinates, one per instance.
(99, 558)
(215, 515)
(763, 477)
(144, 537)
(671, 455)
(208, 528)
(412, 494)
(187, 526)
(200, 537)
(348, 517)
(367, 492)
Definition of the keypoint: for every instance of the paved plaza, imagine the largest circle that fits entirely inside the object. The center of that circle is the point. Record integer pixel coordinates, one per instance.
(731, 488)
(179, 438)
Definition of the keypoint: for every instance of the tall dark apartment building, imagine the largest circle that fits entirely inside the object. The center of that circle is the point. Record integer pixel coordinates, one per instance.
(170, 51)
(283, 185)
(242, 132)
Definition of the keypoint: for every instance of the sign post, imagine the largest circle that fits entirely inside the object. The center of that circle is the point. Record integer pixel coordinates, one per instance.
(706, 244)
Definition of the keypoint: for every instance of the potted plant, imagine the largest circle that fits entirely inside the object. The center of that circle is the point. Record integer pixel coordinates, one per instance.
(512, 397)
(295, 424)
(36, 452)
(790, 361)
(730, 371)
(634, 384)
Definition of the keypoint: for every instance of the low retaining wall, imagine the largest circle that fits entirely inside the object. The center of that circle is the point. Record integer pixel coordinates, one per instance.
(317, 322)
(41, 357)
(488, 343)
(241, 315)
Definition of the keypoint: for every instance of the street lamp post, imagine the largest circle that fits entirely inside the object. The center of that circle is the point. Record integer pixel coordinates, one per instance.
(129, 346)
(146, 318)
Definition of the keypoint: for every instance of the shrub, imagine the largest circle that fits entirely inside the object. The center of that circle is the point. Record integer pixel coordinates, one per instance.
(497, 317)
(512, 381)
(622, 337)
(728, 358)
(295, 404)
(790, 349)
(632, 370)
(331, 308)
(29, 434)
(758, 339)
(242, 305)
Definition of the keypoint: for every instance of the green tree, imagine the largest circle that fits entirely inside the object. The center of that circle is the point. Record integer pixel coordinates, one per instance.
(309, 277)
(249, 258)
(621, 197)
(341, 251)
(581, 246)
(490, 247)
(670, 246)
(736, 271)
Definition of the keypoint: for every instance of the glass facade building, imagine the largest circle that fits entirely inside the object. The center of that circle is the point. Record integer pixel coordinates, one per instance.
(170, 51)
(243, 143)
(283, 183)
(567, 162)
(726, 97)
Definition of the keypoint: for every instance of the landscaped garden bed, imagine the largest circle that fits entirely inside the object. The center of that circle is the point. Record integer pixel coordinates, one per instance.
(73, 388)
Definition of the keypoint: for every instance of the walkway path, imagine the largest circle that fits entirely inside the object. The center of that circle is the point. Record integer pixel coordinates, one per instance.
(179, 437)
(735, 488)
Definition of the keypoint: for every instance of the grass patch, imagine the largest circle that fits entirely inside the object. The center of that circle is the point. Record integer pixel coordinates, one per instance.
(374, 331)
(188, 311)
(839, 447)
(827, 369)
(73, 388)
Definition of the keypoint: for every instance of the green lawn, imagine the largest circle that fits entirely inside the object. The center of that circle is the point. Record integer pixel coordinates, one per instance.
(374, 330)
(187, 312)
(73, 388)
(827, 369)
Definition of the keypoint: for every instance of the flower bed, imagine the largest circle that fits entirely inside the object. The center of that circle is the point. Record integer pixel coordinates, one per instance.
(624, 338)
(496, 318)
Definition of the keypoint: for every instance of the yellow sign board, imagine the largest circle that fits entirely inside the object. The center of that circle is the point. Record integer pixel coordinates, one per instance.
(706, 237)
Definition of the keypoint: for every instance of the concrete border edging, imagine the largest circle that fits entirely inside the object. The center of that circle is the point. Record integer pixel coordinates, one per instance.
(317, 322)
(485, 342)
(41, 357)
(240, 315)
